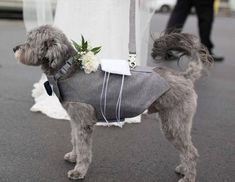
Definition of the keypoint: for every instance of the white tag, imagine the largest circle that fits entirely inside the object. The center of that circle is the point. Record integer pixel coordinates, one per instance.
(115, 66)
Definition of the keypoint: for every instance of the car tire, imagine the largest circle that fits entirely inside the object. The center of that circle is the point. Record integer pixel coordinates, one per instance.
(165, 9)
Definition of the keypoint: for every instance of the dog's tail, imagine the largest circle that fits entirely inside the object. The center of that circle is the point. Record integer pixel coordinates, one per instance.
(184, 44)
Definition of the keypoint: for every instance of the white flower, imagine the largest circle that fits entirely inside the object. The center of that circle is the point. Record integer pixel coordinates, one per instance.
(90, 62)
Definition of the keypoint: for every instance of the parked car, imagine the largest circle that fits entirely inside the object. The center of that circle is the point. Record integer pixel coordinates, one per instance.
(13, 9)
(17, 5)
(163, 6)
(11, 5)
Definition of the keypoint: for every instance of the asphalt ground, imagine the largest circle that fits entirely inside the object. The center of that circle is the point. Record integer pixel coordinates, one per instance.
(32, 145)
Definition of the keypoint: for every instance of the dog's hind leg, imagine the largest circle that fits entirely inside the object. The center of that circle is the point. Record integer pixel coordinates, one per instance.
(83, 117)
(176, 124)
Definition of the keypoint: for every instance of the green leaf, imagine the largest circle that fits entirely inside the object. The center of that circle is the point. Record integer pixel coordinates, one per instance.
(84, 46)
(76, 45)
(83, 40)
(96, 50)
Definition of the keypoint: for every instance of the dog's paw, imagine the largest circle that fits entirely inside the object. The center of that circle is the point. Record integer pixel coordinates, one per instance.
(186, 180)
(75, 175)
(182, 180)
(70, 157)
(181, 170)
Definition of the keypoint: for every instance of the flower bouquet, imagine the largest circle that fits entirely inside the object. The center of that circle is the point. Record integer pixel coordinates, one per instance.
(86, 56)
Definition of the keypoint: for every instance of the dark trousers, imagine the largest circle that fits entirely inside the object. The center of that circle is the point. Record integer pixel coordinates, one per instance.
(205, 14)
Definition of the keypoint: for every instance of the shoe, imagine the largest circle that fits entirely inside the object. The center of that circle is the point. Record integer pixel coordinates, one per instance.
(217, 58)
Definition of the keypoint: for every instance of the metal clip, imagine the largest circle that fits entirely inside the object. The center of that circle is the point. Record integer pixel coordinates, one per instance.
(132, 61)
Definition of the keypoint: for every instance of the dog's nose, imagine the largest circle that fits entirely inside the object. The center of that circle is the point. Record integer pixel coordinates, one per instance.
(16, 48)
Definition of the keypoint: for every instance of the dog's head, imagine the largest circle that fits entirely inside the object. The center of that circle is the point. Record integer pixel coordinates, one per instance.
(46, 46)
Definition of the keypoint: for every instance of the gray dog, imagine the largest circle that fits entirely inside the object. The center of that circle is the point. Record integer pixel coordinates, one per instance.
(47, 46)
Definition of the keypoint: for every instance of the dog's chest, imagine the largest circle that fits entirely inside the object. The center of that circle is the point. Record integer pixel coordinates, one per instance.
(138, 92)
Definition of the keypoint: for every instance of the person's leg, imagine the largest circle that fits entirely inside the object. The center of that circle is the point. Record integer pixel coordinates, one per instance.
(205, 14)
(178, 16)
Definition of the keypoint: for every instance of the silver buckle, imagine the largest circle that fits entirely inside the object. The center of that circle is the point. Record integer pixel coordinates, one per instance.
(132, 61)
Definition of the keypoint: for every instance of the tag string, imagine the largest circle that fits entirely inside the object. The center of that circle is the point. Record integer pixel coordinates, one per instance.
(104, 94)
(119, 101)
(103, 98)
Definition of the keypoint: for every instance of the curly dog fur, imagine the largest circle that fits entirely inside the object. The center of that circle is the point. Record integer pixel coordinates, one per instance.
(47, 46)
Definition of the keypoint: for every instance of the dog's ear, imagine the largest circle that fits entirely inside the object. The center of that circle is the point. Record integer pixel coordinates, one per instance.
(56, 52)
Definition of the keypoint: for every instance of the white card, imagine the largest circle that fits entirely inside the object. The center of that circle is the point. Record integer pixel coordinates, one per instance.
(115, 66)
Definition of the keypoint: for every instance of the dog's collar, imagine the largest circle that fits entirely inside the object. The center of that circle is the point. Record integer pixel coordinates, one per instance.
(63, 71)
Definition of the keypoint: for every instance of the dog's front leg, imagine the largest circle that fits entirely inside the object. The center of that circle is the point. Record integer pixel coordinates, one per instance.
(72, 156)
(83, 120)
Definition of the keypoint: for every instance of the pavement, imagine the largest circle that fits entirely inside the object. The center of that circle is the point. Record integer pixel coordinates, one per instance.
(32, 145)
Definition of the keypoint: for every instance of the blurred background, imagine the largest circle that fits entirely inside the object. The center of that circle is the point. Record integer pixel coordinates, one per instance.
(12, 9)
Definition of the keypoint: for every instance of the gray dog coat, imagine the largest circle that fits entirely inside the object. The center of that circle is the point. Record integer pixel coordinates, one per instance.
(140, 90)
